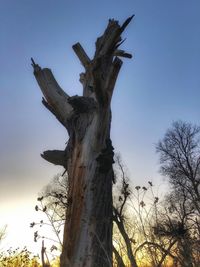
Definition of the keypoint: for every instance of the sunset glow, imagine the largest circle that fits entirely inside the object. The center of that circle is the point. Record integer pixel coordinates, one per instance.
(159, 85)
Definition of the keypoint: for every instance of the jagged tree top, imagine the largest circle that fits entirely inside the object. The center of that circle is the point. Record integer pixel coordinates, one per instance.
(98, 79)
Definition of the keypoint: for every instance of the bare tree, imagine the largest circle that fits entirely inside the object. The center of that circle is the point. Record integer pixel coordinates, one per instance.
(140, 225)
(180, 159)
(118, 214)
(135, 212)
(176, 229)
(180, 162)
(52, 205)
(88, 157)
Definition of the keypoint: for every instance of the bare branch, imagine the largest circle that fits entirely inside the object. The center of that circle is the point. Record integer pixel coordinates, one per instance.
(165, 251)
(120, 224)
(56, 98)
(81, 54)
(119, 259)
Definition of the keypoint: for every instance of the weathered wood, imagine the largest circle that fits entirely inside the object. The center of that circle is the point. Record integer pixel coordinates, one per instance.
(106, 43)
(112, 37)
(80, 52)
(89, 153)
(113, 74)
(125, 24)
(53, 93)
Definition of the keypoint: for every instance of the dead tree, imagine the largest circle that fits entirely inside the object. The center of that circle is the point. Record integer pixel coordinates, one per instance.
(88, 157)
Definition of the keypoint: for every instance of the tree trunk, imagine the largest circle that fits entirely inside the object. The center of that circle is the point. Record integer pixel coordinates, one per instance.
(88, 157)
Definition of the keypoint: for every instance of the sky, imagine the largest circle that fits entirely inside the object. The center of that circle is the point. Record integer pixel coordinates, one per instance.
(159, 85)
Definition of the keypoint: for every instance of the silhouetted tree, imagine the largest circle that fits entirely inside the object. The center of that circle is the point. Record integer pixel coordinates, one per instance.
(176, 228)
(118, 215)
(180, 160)
(134, 215)
(88, 157)
(135, 212)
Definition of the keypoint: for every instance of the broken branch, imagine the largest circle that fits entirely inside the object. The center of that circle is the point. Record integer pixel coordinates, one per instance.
(122, 53)
(111, 37)
(56, 98)
(125, 24)
(81, 54)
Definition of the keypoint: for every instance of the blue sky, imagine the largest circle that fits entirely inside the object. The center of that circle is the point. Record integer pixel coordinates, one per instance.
(160, 84)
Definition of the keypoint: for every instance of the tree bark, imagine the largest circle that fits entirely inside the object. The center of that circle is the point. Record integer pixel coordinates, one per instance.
(88, 157)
